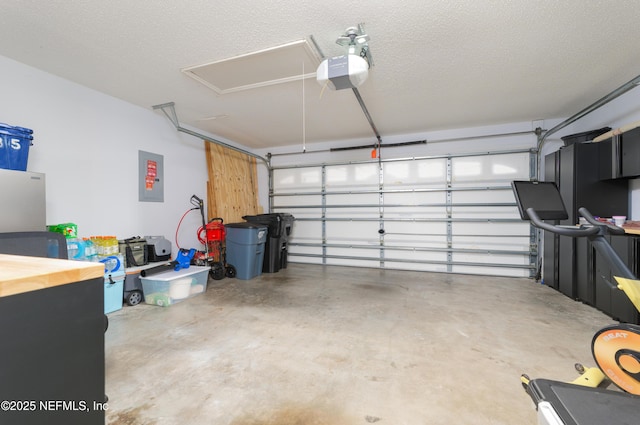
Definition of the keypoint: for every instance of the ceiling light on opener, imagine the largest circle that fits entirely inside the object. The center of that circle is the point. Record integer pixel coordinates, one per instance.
(350, 70)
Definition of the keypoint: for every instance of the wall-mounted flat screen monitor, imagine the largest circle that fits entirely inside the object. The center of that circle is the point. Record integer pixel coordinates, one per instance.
(543, 197)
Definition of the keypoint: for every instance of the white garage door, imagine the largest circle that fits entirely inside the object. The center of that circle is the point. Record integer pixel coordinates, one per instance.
(453, 213)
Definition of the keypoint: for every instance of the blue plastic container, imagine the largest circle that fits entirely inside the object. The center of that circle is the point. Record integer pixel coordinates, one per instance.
(113, 264)
(113, 291)
(245, 244)
(14, 147)
(4, 152)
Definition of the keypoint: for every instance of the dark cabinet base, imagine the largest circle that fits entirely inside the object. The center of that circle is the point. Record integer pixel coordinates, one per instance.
(52, 355)
(593, 273)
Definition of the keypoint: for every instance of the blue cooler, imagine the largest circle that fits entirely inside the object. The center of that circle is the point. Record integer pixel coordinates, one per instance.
(245, 248)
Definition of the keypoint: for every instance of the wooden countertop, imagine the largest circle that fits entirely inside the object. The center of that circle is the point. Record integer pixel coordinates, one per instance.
(20, 274)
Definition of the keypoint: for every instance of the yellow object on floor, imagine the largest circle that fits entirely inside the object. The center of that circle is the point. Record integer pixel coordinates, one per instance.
(631, 288)
(591, 377)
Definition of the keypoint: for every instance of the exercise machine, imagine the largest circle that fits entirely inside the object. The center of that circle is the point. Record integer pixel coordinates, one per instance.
(615, 348)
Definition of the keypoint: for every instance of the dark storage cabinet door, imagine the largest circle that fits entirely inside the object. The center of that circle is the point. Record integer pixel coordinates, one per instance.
(580, 184)
(608, 160)
(550, 260)
(621, 307)
(567, 267)
(585, 291)
(630, 152)
(612, 301)
(601, 275)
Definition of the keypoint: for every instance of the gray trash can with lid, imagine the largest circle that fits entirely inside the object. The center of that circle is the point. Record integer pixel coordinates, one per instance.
(245, 248)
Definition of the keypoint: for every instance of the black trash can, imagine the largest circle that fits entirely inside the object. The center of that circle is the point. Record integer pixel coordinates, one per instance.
(278, 232)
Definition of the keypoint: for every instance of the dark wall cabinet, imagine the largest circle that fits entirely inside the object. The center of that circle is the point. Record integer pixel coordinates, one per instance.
(620, 155)
(630, 153)
(576, 171)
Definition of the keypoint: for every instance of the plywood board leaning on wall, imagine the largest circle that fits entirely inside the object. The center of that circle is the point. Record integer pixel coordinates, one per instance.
(232, 190)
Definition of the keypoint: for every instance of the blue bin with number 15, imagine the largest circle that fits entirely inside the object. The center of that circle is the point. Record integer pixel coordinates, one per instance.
(14, 147)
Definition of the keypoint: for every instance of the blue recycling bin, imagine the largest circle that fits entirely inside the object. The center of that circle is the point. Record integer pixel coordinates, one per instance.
(4, 152)
(245, 248)
(14, 147)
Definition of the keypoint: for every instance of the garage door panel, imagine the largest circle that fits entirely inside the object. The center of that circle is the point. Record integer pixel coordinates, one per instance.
(451, 214)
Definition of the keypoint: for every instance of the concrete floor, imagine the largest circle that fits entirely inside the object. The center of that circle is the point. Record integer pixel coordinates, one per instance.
(313, 345)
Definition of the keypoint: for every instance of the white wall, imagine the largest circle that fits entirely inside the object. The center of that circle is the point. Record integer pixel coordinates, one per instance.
(87, 144)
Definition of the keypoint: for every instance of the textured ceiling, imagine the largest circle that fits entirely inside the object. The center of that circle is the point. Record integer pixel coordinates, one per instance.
(438, 64)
